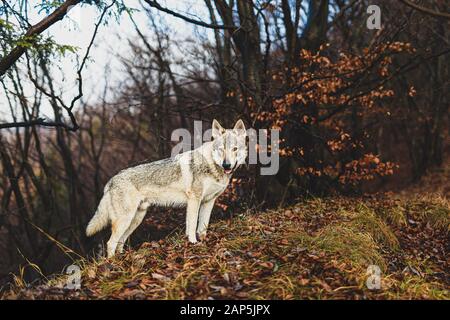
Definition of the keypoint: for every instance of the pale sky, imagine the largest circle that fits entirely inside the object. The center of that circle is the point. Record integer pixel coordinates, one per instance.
(76, 30)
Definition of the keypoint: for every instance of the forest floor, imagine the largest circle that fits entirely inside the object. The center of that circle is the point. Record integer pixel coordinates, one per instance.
(319, 248)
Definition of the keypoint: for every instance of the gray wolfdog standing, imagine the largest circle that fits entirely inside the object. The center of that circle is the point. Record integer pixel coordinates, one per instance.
(193, 179)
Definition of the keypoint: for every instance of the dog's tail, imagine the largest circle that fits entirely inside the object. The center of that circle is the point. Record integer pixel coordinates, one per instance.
(100, 219)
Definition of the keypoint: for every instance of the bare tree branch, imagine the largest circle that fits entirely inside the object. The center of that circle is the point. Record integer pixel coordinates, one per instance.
(426, 10)
(69, 109)
(8, 60)
(35, 122)
(156, 5)
(86, 56)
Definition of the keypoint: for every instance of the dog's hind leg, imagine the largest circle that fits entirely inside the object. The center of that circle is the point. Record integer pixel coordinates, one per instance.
(137, 220)
(125, 210)
(118, 228)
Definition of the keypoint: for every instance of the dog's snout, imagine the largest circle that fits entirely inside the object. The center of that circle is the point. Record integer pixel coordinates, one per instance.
(226, 165)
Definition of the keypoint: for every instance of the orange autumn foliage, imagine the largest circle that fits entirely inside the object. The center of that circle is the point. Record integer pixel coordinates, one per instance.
(326, 101)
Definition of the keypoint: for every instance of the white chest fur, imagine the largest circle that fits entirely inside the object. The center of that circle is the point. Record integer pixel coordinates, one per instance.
(213, 188)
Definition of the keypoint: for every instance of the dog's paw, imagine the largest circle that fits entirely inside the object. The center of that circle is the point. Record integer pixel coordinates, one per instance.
(192, 240)
(201, 236)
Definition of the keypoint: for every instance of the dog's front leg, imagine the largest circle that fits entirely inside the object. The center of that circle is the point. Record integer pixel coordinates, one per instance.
(203, 219)
(193, 206)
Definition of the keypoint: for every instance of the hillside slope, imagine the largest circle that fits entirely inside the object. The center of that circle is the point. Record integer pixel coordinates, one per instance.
(316, 249)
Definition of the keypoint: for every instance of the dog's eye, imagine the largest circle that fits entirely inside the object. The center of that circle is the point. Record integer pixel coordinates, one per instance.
(235, 149)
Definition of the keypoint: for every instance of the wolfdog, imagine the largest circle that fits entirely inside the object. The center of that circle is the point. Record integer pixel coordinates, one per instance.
(193, 179)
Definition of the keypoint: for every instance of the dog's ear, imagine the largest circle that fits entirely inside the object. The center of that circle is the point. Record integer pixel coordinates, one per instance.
(239, 128)
(217, 129)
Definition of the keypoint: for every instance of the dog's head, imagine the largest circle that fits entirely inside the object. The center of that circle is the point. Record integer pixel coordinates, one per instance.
(229, 147)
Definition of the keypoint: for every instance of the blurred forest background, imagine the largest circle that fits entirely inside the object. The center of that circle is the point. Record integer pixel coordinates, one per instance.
(360, 110)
